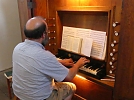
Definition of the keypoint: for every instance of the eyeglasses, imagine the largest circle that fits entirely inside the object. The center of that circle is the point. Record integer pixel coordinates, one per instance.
(46, 32)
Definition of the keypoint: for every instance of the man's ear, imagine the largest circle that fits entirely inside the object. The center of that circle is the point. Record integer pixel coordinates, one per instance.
(43, 36)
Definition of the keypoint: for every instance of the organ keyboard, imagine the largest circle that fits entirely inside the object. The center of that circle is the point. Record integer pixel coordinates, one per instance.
(95, 68)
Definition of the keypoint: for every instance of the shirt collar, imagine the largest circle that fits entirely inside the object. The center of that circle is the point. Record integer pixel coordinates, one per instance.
(34, 43)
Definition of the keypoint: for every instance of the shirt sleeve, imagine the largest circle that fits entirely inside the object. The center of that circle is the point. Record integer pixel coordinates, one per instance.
(53, 68)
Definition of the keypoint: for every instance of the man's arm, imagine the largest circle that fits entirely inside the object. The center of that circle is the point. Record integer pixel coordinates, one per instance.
(74, 69)
(66, 62)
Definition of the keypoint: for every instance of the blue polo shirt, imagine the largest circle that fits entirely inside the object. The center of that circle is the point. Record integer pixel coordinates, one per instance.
(34, 71)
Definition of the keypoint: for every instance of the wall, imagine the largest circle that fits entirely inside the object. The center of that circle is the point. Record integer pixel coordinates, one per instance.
(10, 33)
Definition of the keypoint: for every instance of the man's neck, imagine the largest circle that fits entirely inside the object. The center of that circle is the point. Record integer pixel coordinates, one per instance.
(36, 40)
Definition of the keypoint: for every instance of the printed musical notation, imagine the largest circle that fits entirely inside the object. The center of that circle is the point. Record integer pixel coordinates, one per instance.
(85, 41)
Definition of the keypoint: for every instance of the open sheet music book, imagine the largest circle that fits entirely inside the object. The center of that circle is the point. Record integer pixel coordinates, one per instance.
(74, 44)
(84, 41)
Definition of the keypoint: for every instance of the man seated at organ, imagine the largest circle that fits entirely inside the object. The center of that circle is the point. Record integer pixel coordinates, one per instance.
(35, 69)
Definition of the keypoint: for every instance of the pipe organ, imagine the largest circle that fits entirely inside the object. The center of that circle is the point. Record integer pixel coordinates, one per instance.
(95, 80)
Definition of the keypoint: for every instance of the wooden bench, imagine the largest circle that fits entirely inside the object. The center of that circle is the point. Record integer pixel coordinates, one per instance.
(8, 76)
(15, 98)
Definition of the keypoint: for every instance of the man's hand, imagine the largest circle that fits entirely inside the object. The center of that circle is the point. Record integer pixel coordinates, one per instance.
(74, 69)
(82, 61)
(67, 62)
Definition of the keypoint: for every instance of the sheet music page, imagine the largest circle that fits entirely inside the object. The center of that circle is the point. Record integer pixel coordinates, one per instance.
(69, 44)
(67, 31)
(70, 31)
(105, 47)
(98, 43)
(87, 37)
(64, 41)
(82, 33)
(76, 44)
(86, 46)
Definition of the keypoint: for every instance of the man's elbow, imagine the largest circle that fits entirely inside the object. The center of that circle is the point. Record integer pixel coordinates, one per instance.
(68, 78)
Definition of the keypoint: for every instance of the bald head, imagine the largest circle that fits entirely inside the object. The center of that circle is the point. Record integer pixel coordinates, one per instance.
(34, 23)
(35, 27)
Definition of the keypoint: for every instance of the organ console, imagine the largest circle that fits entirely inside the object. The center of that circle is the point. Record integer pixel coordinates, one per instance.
(116, 33)
(114, 43)
(111, 62)
(95, 68)
(113, 53)
(115, 24)
(112, 70)
(51, 31)
(86, 14)
(49, 19)
(51, 38)
(52, 44)
(51, 25)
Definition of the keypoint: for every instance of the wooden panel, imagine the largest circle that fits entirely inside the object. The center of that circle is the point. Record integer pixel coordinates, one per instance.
(67, 3)
(72, 2)
(24, 14)
(80, 2)
(54, 5)
(63, 3)
(40, 8)
(91, 91)
(95, 18)
(77, 97)
(95, 2)
(81, 5)
(90, 20)
(124, 85)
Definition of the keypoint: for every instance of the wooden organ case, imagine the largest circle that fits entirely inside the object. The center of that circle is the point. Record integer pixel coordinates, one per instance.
(96, 18)
(100, 17)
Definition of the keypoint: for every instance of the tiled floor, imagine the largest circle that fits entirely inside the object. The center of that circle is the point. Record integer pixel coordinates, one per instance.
(3, 86)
